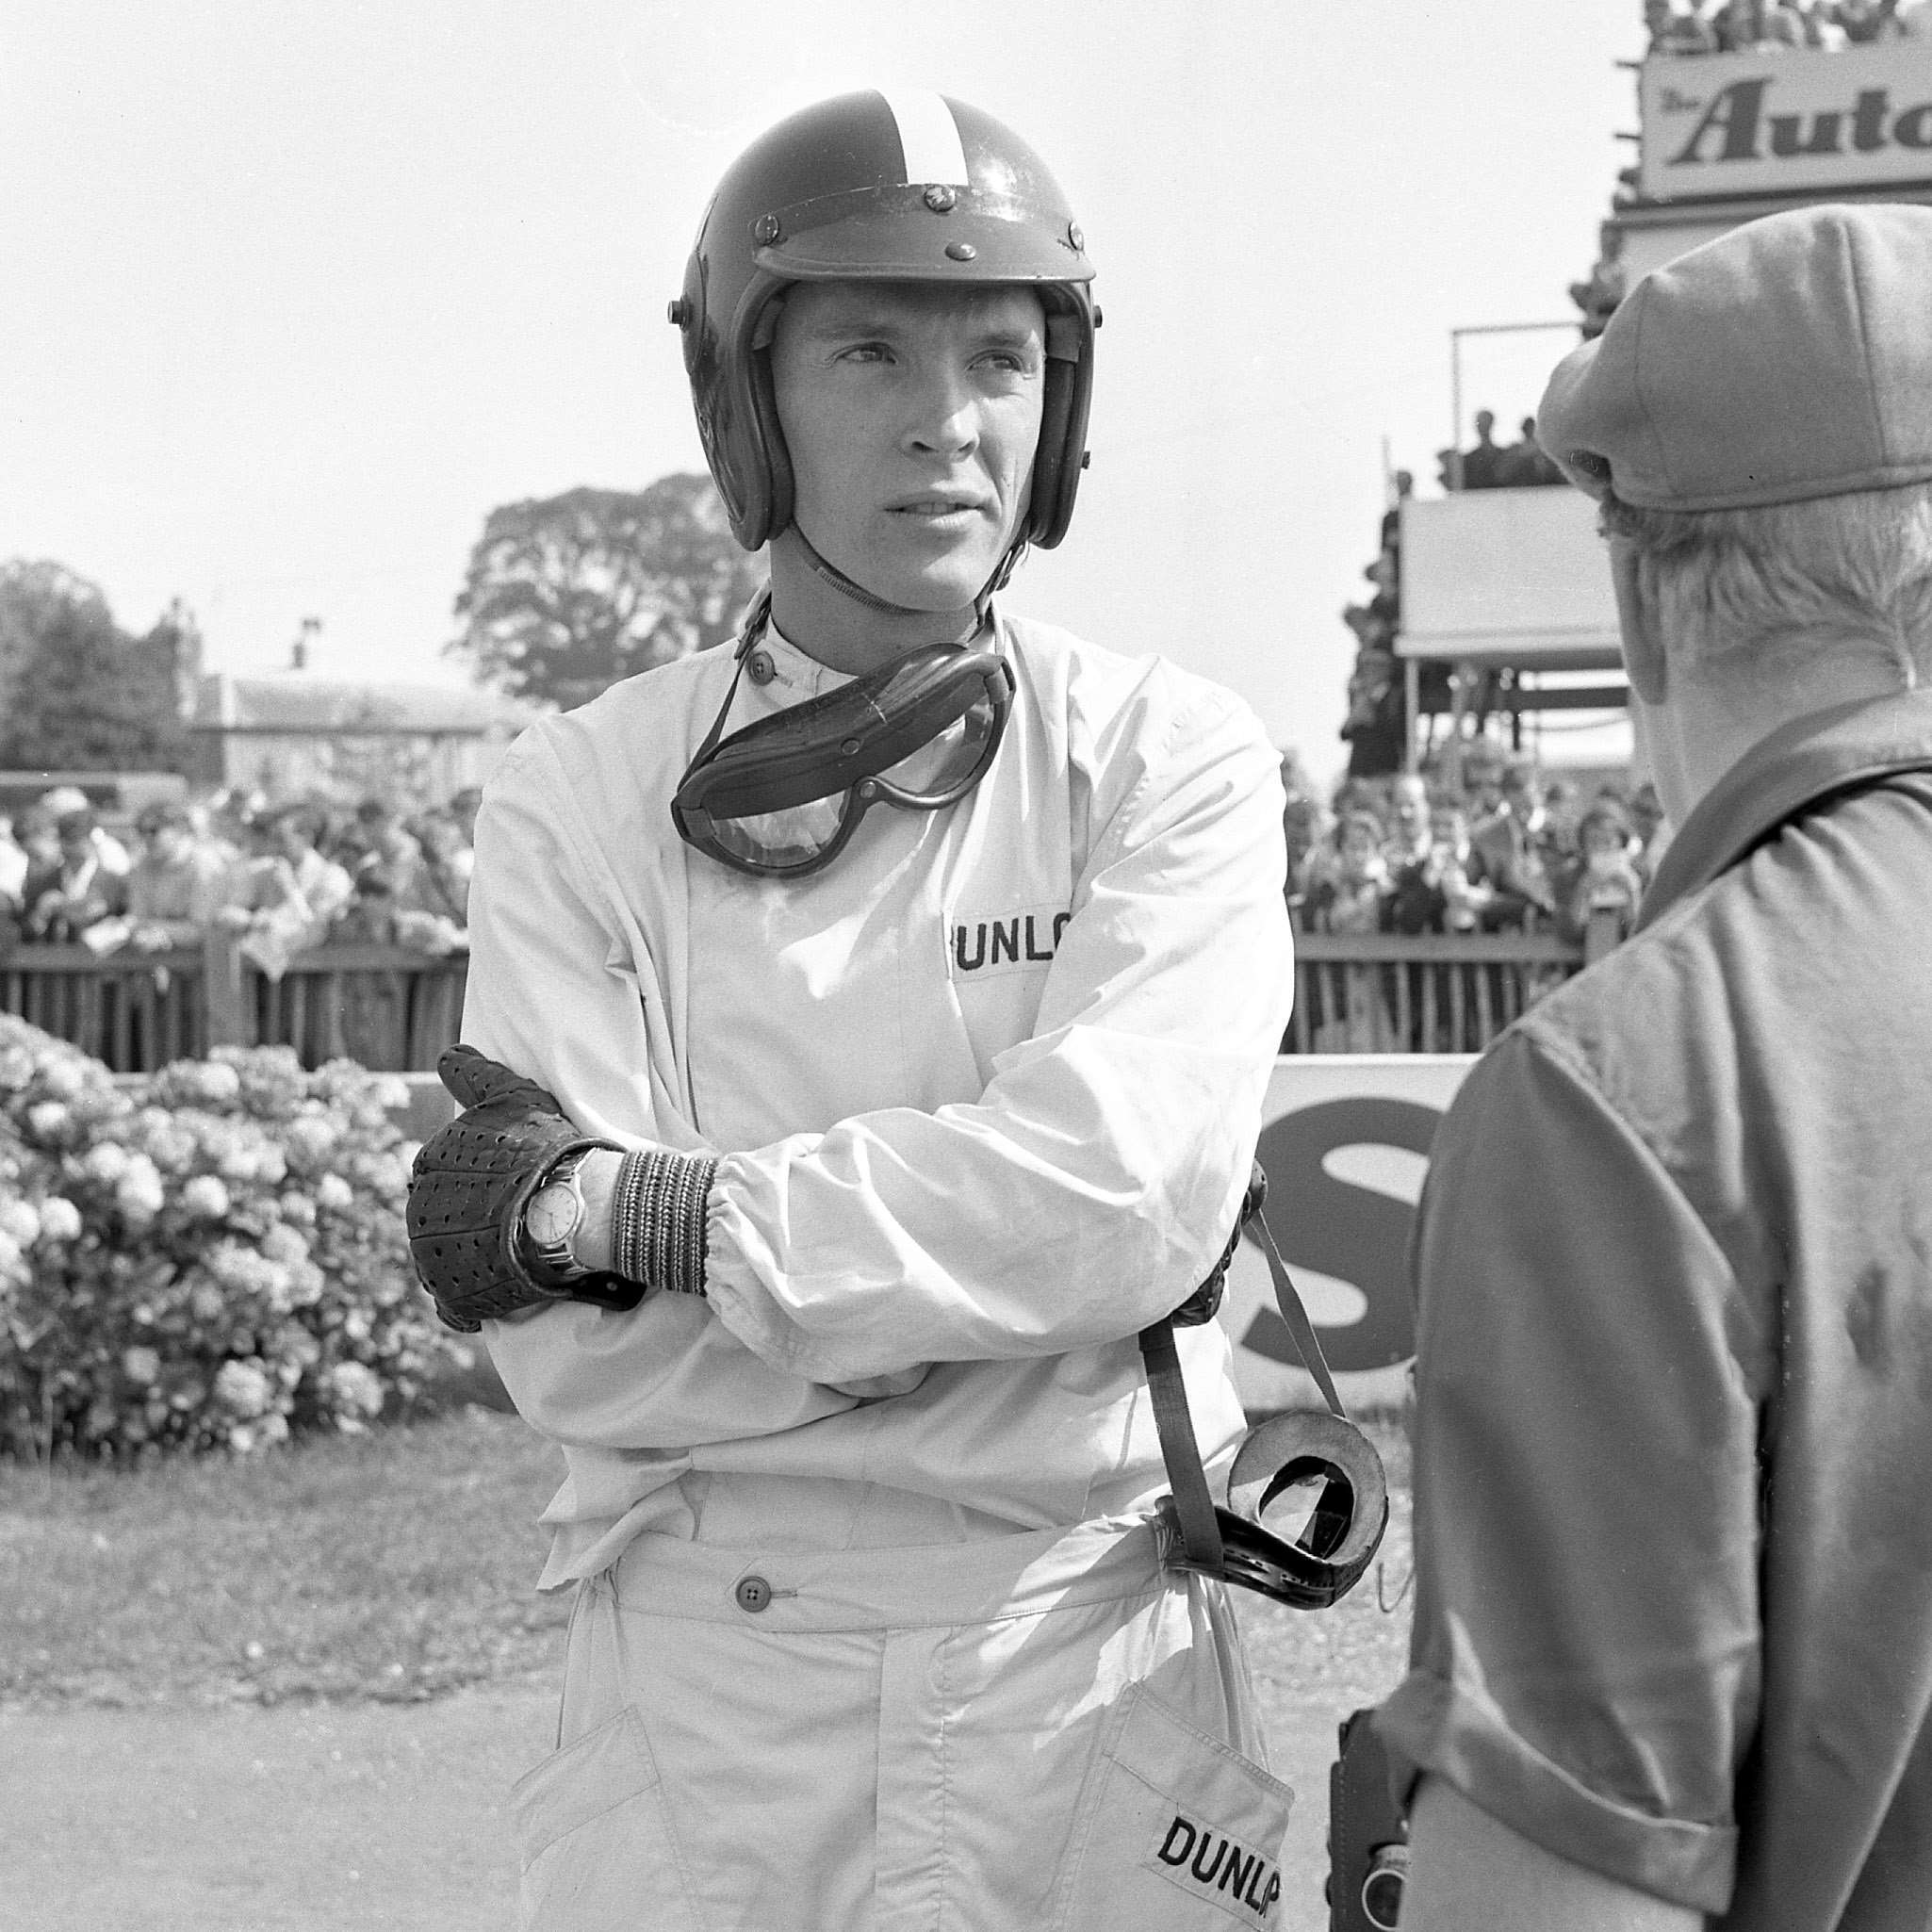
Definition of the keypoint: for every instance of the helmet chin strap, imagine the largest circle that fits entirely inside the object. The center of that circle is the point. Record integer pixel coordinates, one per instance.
(829, 572)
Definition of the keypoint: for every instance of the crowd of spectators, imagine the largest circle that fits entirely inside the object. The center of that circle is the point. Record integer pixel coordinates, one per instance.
(1758, 26)
(1502, 851)
(283, 876)
(1488, 465)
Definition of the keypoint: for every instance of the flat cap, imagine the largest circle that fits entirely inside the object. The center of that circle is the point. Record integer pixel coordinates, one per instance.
(1790, 358)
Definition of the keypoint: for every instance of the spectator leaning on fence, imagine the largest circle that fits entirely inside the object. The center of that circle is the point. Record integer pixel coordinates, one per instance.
(290, 894)
(77, 889)
(432, 895)
(380, 836)
(1481, 763)
(370, 917)
(1513, 855)
(64, 802)
(179, 883)
(1600, 880)
(1558, 835)
(1408, 840)
(1347, 895)
(1448, 890)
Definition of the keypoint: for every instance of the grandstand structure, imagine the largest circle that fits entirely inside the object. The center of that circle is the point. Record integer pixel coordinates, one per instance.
(1512, 580)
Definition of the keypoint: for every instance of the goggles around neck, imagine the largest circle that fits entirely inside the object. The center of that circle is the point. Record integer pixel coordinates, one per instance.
(780, 797)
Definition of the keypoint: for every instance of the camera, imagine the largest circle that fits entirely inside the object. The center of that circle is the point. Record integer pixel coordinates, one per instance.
(1368, 1836)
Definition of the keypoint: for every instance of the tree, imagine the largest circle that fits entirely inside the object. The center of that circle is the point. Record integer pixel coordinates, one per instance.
(565, 595)
(77, 692)
(34, 595)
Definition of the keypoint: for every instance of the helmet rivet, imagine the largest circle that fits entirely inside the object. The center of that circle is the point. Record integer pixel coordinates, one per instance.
(767, 229)
(1074, 236)
(679, 313)
(961, 250)
(940, 198)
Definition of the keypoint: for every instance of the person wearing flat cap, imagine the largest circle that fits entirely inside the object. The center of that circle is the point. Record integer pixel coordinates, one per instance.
(1672, 1653)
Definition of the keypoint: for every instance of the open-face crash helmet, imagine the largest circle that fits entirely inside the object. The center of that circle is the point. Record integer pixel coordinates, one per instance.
(893, 186)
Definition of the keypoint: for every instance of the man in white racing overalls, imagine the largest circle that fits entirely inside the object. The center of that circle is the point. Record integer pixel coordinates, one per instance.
(928, 1095)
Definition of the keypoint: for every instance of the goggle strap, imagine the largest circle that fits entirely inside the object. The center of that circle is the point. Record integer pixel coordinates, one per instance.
(1300, 1330)
(1201, 1541)
(756, 622)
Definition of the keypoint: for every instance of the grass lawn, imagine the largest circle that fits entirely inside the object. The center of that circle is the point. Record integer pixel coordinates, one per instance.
(399, 1565)
(393, 1565)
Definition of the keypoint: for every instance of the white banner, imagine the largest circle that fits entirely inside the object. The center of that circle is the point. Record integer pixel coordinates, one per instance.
(1791, 123)
(1345, 1144)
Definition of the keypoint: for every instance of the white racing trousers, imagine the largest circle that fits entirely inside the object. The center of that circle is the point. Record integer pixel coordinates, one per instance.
(1042, 1732)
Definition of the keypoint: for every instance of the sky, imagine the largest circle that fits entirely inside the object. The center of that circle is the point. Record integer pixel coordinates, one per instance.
(295, 295)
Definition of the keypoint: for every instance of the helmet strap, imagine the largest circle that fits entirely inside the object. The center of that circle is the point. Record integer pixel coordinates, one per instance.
(829, 572)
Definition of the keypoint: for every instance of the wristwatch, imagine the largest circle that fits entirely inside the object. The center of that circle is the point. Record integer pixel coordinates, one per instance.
(552, 1216)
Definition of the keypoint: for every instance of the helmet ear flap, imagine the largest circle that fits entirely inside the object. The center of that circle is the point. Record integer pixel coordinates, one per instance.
(1068, 390)
(1046, 516)
(768, 436)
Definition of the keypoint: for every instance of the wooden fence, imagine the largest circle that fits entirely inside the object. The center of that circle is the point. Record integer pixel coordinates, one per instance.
(392, 1010)
(1433, 994)
(396, 1010)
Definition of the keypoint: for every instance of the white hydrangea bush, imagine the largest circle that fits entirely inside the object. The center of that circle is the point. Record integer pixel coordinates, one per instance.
(213, 1258)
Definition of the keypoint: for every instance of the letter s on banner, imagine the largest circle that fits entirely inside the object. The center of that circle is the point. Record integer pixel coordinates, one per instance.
(1342, 1137)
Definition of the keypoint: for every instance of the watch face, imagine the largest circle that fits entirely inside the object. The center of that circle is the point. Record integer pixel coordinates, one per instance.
(551, 1215)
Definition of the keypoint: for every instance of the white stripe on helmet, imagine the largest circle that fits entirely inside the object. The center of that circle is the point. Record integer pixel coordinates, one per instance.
(928, 137)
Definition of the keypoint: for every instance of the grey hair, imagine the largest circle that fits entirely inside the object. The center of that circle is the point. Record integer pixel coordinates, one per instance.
(1852, 570)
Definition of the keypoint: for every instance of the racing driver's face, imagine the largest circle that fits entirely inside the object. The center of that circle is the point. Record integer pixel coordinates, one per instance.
(910, 412)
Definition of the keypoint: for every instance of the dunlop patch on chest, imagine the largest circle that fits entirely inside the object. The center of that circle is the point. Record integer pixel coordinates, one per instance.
(1213, 1866)
(1018, 939)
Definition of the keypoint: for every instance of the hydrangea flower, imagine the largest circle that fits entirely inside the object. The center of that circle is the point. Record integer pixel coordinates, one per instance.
(139, 1193)
(59, 1218)
(244, 1389)
(310, 1141)
(206, 1197)
(20, 1221)
(357, 1389)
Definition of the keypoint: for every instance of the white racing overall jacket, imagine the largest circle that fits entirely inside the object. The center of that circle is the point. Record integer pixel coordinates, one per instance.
(872, 1631)
(985, 1091)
